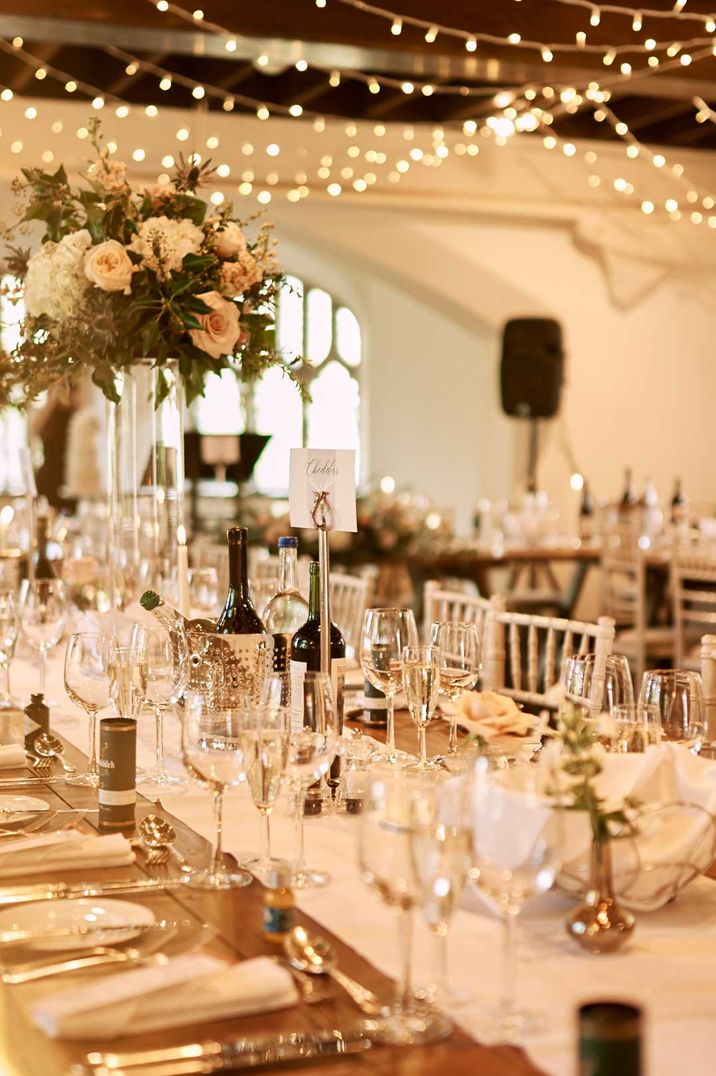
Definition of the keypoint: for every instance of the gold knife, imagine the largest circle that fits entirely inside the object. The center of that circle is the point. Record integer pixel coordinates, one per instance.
(22, 894)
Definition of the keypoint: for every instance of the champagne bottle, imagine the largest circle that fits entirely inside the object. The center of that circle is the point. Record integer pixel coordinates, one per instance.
(252, 647)
(42, 565)
(169, 617)
(628, 499)
(288, 609)
(306, 657)
(679, 504)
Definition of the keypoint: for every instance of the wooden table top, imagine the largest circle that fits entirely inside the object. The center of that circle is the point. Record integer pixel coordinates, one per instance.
(25, 1051)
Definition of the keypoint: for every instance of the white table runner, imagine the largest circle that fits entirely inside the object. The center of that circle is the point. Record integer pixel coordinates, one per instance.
(669, 969)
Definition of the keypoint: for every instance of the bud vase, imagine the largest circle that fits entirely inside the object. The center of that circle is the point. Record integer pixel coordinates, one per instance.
(600, 925)
(145, 453)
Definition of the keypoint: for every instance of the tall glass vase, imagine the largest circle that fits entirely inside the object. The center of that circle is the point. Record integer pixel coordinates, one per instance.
(145, 455)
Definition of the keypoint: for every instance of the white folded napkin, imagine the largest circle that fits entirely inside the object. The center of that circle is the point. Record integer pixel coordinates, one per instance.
(65, 849)
(12, 755)
(185, 990)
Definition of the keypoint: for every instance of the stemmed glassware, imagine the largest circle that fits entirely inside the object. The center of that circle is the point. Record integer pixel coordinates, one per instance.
(312, 747)
(636, 728)
(677, 695)
(204, 591)
(578, 679)
(421, 679)
(441, 853)
(265, 743)
(384, 636)
(386, 863)
(43, 611)
(161, 661)
(87, 682)
(459, 646)
(214, 717)
(517, 842)
(8, 638)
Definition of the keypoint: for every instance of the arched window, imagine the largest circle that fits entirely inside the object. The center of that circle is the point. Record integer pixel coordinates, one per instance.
(316, 325)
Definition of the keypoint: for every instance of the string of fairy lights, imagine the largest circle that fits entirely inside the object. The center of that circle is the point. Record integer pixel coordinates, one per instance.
(532, 108)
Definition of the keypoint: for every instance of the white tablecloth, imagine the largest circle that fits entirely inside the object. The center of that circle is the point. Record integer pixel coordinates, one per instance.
(669, 968)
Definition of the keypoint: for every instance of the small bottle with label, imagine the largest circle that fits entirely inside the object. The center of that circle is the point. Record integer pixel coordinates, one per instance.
(117, 774)
(375, 707)
(279, 907)
(609, 1039)
(38, 719)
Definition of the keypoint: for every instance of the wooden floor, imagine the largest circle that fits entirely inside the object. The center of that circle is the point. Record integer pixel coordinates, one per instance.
(25, 1051)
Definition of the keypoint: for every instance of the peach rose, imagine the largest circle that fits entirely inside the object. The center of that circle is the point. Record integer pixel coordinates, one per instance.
(109, 267)
(491, 714)
(237, 277)
(219, 330)
(230, 240)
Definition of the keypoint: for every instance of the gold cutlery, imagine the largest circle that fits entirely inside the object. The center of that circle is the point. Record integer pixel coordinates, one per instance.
(22, 894)
(314, 955)
(33, 824)
(22, 937)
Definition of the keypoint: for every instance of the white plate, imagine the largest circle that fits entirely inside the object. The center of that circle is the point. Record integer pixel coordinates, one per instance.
(74, 914)
(20, 803)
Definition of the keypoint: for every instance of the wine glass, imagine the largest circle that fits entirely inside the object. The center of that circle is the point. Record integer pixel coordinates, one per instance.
(441, 854)
(204, 591)
(636, 728)
(8, 638)
(677, 695)
(214, 717)
(386, 863)
(87, 682)
(265, 741)
(421, 679)
(161, 661)
(459, 646)
(516, 838)
(384, 636)
(43, 611)
(312, 748)
(578, 680)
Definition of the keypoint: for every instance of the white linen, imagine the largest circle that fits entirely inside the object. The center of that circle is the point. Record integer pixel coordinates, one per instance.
(186, 990)
(63, 850)
(12, 756)
(667, 968)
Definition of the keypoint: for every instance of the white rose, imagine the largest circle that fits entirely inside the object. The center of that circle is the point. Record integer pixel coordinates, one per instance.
(219, 330)
(230, 240)
(109, 267)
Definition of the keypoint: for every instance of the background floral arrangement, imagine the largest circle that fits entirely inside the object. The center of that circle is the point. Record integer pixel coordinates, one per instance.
(125, 274)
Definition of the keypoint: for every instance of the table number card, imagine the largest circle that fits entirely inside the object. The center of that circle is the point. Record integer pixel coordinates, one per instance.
(331, 471)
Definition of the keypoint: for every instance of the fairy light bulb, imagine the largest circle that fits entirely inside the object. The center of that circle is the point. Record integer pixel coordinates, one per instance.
(547, 54)
(471, 44)
(396, 29)
(637, 22)
(596, 17)
(165, 83)
(431, 34)
(581, 38)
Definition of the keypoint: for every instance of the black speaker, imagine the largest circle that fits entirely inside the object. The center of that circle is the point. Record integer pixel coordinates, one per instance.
(532, 367)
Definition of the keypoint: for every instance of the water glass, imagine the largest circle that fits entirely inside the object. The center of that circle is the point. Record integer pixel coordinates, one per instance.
(312, 747)
(204, 592)
(43, 611)
(384, 636)
(459, 646)
(161, 660)
(677, 695)
(578, 680)
(386, 863)
(421, 679)
(214, 718)
(8, 638)
(87, 682)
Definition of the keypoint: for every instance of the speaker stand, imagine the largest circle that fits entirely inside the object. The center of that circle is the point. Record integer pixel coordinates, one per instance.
(533, 456)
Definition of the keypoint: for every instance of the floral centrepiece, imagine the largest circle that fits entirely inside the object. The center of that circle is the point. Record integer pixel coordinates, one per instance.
(125, 273)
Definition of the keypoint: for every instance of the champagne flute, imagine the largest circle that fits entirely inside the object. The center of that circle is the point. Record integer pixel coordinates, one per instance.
(384, 636)
(517, 842)
(43, 611)
(677, 695)
(214, 717)
(125, 681)
(441, 854)
(265, 743)
(8, 638)
(161, 659)
(421, 678)
(385, 862)
(87, 682)
(459, 646)
(312, 748)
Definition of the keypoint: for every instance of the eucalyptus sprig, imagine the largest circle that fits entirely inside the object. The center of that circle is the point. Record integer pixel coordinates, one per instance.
(580, 763)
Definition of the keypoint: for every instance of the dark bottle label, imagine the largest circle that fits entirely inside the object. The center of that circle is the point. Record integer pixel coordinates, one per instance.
(277, 922)
(375, 707)
(117, 774)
